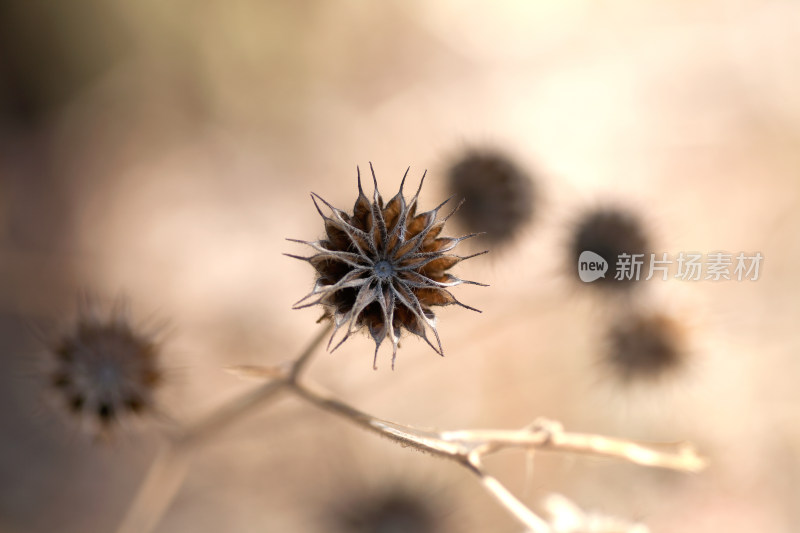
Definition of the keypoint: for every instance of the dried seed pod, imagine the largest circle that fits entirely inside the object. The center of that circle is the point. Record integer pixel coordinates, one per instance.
(383, 267)
(105, 369)
(392, 509)
(645, 346)
(610, 232)
(499, 197)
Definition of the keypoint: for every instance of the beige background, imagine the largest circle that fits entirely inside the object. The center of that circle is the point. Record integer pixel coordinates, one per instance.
(181, 153)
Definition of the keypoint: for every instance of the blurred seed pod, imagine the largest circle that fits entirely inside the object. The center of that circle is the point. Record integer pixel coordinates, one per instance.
(499, 196)
(389, 509)
(49, 54)
(645, 346)
(105, 370)
(610, 232)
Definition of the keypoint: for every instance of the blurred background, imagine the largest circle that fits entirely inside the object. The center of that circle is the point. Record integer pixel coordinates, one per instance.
(164, 151)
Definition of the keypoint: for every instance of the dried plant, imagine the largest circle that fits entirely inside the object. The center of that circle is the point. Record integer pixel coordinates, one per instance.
(610, 231)
(499, 197)
(105, 369)
(464, 447)
(645, 345)
(393, 508)
(383, 267)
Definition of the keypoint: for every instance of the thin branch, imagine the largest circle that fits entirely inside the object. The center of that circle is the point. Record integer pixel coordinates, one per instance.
(426, 441)
(550, 435)
(162, 482)
(530, 519)
(167, 471)
(465, 447)
(226, 415)
(468, 447)
(241, 406)
(542, 435)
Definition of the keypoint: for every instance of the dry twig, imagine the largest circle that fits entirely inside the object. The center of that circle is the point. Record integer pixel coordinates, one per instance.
(465, 447)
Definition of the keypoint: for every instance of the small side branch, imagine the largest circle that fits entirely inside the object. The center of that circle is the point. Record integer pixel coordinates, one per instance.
(546, 434)
(531, 520)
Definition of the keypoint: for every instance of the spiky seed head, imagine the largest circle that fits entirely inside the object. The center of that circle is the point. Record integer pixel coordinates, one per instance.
(499, 197)
(388, 510)
(105, 370)
(383, 267)
(610, 232)
(645, 346)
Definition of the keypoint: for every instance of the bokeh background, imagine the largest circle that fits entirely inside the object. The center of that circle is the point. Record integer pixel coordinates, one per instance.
(163, 151)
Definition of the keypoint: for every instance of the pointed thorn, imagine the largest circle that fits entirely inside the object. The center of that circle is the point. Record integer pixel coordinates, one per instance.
(300, 257)
(321, 199)
(419, 189)
(298, 241)
(436, 209)
(469, 236)
(455, 209)
(376, 194)
(427, 340)
(328, 347)
(374, 179)
(298, 306)
(346, 336)
(314, 197)
(403, 181)
(440, 351)
(333, 334)
(360, 190)
(474, 255)
(394, 353)
(479, 284)
(465, 306)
